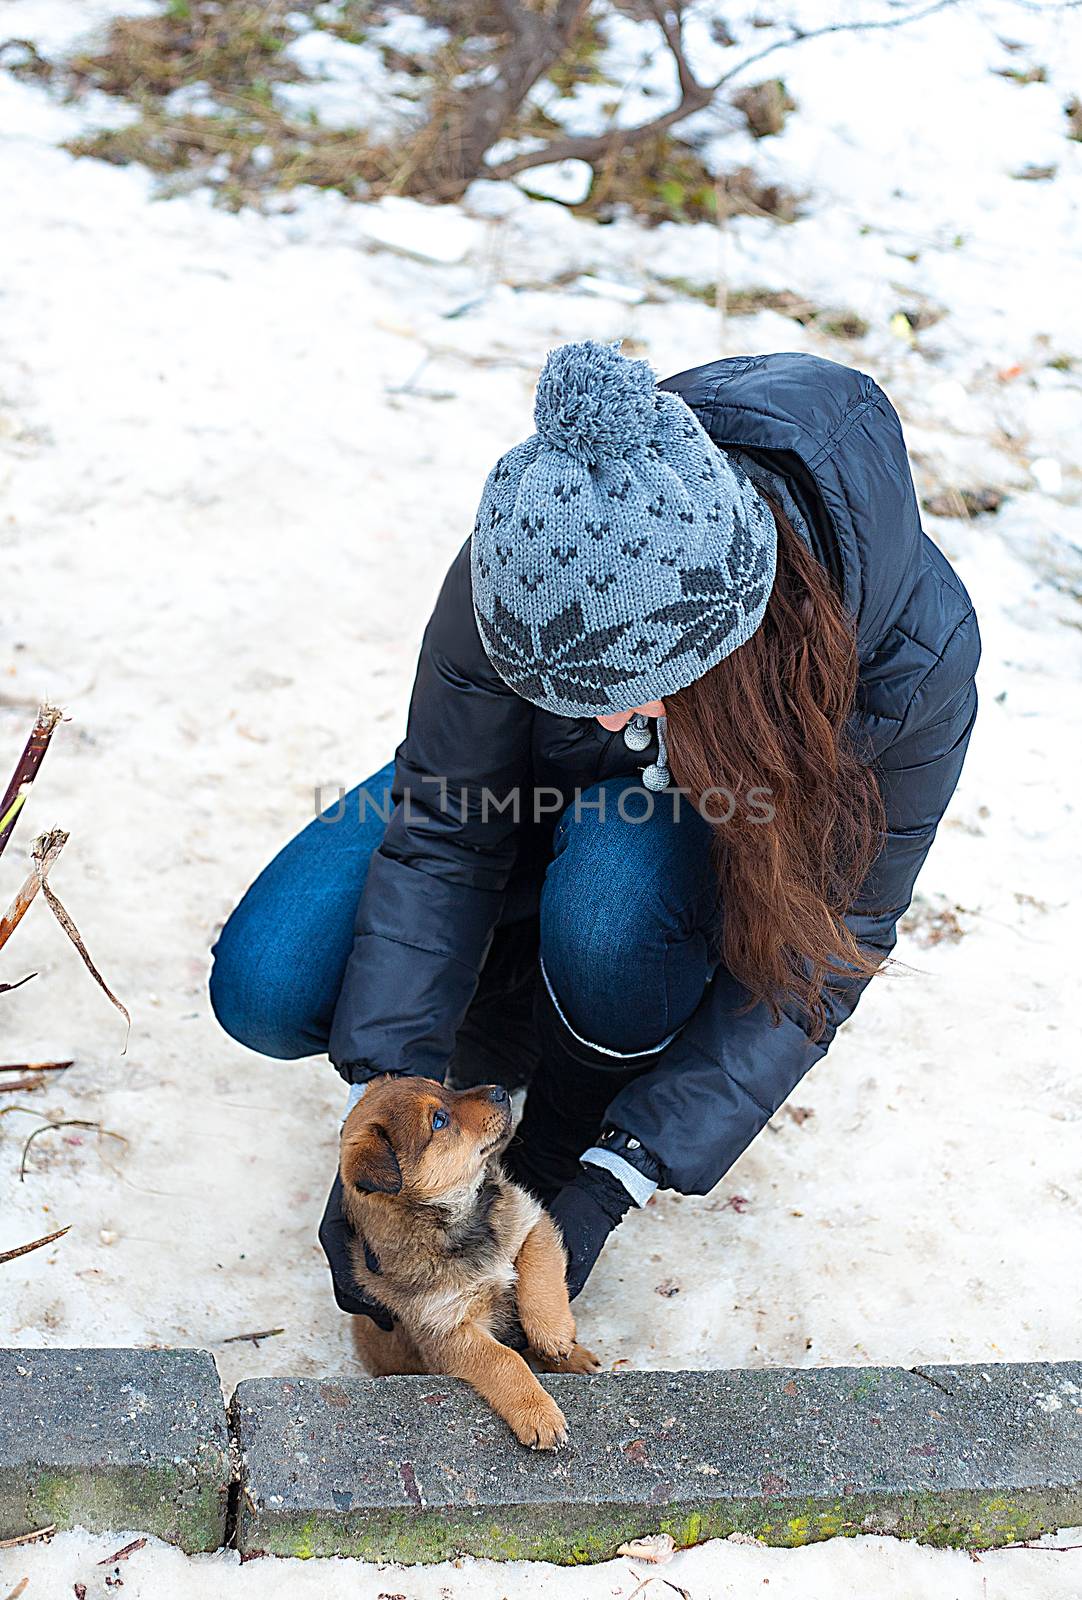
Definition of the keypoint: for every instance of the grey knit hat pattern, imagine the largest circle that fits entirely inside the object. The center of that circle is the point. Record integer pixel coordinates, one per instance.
(617, 554)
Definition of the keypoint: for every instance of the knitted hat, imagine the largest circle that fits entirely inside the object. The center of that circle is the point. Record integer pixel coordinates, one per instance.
(617, 554)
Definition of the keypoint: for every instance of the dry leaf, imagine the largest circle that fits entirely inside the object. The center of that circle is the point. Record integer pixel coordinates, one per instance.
(40, 854)
(656, 1548)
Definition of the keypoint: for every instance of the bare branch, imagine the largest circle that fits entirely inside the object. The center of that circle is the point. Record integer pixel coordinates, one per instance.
(694, 96)
(670, 19)
(515, 15)
(568, 16)
(594, 147)
(799, 36)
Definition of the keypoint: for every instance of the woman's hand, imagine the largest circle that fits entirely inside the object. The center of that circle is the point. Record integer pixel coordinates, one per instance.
(587, 1210)
(337, 1238)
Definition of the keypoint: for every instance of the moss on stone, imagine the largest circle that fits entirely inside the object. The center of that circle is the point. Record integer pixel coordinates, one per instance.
(166, 1500)
(572, 1538)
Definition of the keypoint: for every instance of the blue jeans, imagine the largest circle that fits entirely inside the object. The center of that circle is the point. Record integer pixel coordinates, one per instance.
(622, 921)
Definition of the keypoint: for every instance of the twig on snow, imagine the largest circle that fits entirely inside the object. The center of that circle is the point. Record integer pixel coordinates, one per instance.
(655, 1577)
(28, 1538)
(265, 1333)
(35, 1074)
(66, 1122)
(122, 1555)
(35, 1066)
(46, 849)
(6, 988)
(11, 1255)
(20, 1588)
(26, 771)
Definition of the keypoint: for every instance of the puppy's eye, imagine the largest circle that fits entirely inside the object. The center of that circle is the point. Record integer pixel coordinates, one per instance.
(440, 1119)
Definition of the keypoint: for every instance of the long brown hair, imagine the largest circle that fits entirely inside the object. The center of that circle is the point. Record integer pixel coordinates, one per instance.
(772, 716)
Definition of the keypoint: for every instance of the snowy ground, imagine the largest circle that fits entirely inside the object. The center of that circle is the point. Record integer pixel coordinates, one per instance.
(236, 455)
(883, 1568)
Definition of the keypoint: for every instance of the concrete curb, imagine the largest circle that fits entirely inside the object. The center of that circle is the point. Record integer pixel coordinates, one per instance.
(416, 1469)
(114, 1439)
(974, 1456)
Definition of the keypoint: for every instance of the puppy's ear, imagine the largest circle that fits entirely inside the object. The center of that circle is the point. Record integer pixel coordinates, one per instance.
(369, 1161)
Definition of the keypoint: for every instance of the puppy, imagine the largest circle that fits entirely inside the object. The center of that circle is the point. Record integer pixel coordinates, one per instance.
(453, 1248)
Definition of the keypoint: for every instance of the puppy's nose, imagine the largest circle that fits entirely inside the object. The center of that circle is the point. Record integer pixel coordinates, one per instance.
(498, 1094)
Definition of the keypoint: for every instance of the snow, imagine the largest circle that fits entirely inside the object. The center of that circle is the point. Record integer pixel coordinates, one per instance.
(346, 83)
(438, 234)
(237, 453)
(566, 181)
(342, 81)
(722, 1570)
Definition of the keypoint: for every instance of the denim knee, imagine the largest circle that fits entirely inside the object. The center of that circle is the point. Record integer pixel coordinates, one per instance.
(280, 960)
(253, 994)
(628, 913)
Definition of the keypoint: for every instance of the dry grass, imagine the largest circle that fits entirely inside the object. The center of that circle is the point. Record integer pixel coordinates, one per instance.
(1023, 75)
(931, 925)
(838, 322)
(236, 47)
(964, 503)
(243, 156)
(244, 146)
(765, 107)
(1073, 112)
(665, 180)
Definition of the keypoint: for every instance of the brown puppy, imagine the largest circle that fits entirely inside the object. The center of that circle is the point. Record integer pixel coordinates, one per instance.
(453, 1248)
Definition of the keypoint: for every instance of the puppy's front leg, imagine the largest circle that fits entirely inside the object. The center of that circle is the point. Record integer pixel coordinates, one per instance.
(501, 1377)
(543, 1307)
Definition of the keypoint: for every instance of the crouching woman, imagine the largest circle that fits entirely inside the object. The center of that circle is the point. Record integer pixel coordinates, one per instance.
(691, 704)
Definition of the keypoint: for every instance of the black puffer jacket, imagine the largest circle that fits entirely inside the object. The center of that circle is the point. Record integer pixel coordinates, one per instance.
(829, 437)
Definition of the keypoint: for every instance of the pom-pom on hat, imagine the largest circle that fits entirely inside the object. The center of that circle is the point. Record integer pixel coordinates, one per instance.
(617, 554)
(594, 403)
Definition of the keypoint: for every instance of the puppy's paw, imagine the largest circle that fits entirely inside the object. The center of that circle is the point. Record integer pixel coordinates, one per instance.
(550, 1335)
(539, 1422)
(577, 1359)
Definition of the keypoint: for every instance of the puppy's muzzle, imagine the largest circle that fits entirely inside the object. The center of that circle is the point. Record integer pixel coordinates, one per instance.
(498, 1123)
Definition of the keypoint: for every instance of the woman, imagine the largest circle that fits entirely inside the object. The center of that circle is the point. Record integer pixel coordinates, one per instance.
(691, 704)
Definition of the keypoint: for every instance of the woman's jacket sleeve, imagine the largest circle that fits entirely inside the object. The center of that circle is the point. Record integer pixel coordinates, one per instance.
(435, 885)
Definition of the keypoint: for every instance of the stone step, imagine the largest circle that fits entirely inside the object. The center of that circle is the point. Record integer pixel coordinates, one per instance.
(114, 1439)
(417, 1469)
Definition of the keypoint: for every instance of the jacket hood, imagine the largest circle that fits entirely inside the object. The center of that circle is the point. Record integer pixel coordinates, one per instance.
(833, 435)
